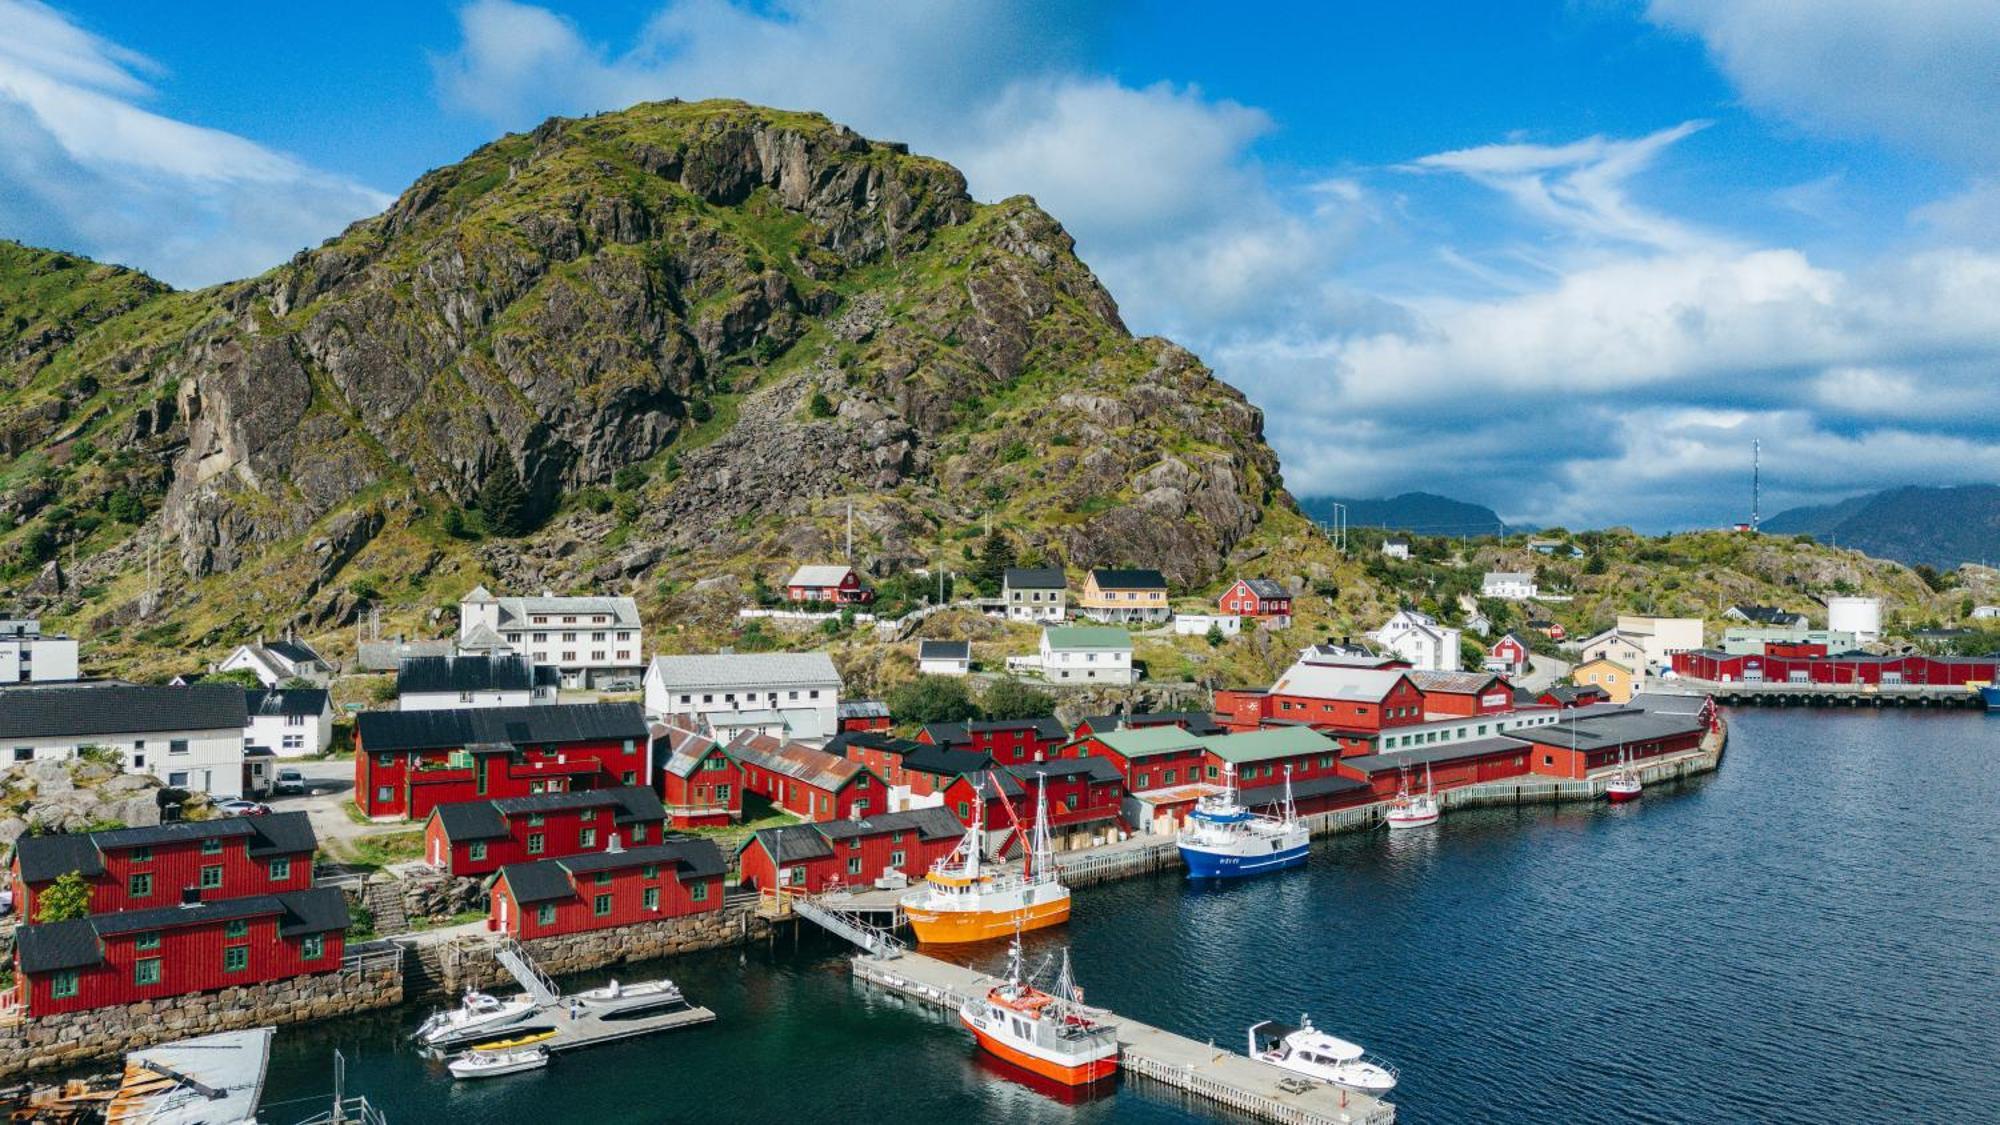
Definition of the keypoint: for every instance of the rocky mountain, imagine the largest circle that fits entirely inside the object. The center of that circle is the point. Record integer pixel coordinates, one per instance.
(1940, 527)
(1422, 512)
(707, 339)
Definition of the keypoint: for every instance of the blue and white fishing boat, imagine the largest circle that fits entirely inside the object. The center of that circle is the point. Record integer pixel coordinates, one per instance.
(1224, 840)
(1990, 695)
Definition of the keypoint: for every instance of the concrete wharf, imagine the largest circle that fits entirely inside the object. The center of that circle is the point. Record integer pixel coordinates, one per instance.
(1153, 1055)
(1756, 693)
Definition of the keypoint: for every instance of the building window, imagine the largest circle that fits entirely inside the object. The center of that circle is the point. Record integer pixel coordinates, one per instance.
(24, 753)
(722, 794)
(212, 846)
(211, 877)
(139, 886)
(534, 843)
(145, 971)
(281, 869)
(62, 985)
(854, 865)
(177, 746)
(586, 837)
(651, 899)
(236, 927)
(312, 947)
(545, 914)
(699, 892)
(476, 852)
(638, 833)
(236, 958)
(601, 905)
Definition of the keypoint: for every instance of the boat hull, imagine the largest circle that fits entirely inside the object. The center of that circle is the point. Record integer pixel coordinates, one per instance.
(1204, 863)
(947, 927)
(1081, 1073)
(1990, 695)
(1417, 820)
(1620, 796)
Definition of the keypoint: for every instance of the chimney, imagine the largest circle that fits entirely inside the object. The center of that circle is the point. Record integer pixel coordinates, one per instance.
(190, 896)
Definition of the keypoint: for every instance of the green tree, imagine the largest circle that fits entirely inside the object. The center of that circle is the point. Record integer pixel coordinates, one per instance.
(503, 501)
(1012, 699)
(243, 676)
(996, 554)
(1215, 637)
(455, 525)
(64, 900)
(1595, 565)
(820, 406)
(629, 478)
(297, 683)
(124, 507)
(932, 699)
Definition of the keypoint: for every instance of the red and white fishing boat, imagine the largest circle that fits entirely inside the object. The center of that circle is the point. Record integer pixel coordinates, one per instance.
(1624, 785)
(1416, 810)
(1050, 1034)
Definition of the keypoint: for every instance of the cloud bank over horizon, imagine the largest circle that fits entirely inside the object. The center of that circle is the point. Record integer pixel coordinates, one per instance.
(1579, 328)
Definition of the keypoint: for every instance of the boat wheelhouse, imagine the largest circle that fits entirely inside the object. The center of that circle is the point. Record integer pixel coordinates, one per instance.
(1050, 1034)
(962, 899)
(1223, 839)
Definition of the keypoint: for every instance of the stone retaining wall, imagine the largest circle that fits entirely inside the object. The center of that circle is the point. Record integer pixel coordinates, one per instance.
(64, 1040)
(736, 923)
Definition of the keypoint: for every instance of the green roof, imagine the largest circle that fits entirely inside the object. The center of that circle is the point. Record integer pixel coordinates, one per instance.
(1268, 743)
(1142, 741)
(1080, 637)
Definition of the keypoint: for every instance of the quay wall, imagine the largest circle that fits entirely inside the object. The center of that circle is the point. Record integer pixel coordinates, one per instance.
(470, 962)
(64, 1040)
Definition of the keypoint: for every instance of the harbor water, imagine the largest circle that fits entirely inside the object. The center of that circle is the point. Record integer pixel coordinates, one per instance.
(1807, 935)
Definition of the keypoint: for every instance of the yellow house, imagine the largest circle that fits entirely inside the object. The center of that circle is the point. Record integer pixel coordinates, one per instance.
(1124, 595)
(1618, 681)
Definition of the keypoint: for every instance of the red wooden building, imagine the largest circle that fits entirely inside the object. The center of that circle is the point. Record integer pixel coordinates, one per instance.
(1007, 741)
(1598, 742)
(1463, 694)
(832, 585)
(807, 782)
(1258, 598)
(605, 889)
(864, 714)
(1194, 722)
(407, 763)
(138, 955)
(1569, 697)
(1508, 656)
(701, 783)
(1352, 704)
(471, 838)
(1083, 796)
(810, 858)
(162, 865)
(1885, 671)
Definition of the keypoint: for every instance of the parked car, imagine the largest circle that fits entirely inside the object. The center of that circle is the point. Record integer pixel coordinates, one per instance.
(237, 807)
(290, 780)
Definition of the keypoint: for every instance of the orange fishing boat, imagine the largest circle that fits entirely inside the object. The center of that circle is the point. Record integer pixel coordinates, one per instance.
(962, 900)
(1051, 1035)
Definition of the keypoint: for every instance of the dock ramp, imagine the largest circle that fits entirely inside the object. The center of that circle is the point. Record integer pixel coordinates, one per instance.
(871, 938)
(514, 958)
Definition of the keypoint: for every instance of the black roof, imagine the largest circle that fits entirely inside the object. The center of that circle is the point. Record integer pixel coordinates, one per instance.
(874, 740)
(76, 944)
(548, 879)
(1099, 769)
(1194, 722)
(1129, 579)
(1265, 795)
(944, 761)
(293, 701)
(791, 843)
(932, 823)
(466, 727)
(467, 821)
(1614, 728)
(1441, 752)
(1034, 578)
(944, 650)
(68, 710)
(1046, 727)
(295, 651)
(633, 802)
(505, 672)
(49, 857)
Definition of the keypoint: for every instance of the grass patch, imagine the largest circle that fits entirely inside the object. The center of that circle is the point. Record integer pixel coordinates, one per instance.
(377, 852)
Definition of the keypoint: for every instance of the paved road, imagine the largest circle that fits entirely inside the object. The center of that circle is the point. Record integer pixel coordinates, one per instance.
(329, 794)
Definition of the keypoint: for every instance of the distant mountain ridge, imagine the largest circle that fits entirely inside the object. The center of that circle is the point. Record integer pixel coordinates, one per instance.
(1942, 527)
(1425, 513)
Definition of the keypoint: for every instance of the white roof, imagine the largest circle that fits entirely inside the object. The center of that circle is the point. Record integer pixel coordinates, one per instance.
(1336, 681)
(820, 575)
(1508, 576)
(749, 670)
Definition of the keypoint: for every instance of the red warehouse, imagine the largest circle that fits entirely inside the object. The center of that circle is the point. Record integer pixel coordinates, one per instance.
(702, 785)
(808, 783)
(1882, 671)
(471, 838)
(605, 889)
(1257, 597)
(139, 955)
(882, 753)
(138, 868)
(1461, 694)
(864, 714)
(407, 763)
(1452, 764)
(1083, 796)
(1591, 743)
(810, 858)
(1007, 741)
(1351, 703)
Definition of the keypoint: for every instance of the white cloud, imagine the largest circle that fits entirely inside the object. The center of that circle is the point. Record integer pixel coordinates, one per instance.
(86, 169)
(1917, 72)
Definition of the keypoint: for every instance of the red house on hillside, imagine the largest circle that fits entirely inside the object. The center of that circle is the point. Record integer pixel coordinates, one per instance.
(407, 763)
(807, 782)
(1508, 656)
(605, 889)
(471, 838)
(833, 585)
(1007, 741)
(138, 955)
(1258, 598)
(702, 784)
(810, 858)
(163, 865)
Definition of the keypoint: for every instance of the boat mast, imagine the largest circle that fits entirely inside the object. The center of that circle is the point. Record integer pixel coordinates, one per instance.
(1043, 853)
(1291, 811)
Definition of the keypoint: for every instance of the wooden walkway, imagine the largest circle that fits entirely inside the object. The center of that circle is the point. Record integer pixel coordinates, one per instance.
(1149, 1054)
(591, 1029)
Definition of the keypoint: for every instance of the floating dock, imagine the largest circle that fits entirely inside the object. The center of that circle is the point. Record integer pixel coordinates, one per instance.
(591, 1029)
(1150, 1054)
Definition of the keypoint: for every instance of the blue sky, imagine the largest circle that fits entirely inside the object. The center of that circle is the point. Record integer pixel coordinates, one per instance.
(1566, 259)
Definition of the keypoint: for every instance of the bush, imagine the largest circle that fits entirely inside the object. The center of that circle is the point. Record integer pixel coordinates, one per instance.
(64, 900)
(243, 676)
(932, 699)
(700, 411)
(1215, 637)
(819, 406)
(1012, 699)
(365, 587)
(594, 500)
(124, 507)
(503, 502)
(630, 478)
(455, 524)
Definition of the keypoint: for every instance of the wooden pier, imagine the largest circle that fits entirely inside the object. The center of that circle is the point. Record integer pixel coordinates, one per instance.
(1150, 1054)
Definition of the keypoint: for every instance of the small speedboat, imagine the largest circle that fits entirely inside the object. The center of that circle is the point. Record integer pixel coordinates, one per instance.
(1414, 810)
(485, 1063)
(1311, 1053)
(517, 1043)
(477, 1016)
(646, 992)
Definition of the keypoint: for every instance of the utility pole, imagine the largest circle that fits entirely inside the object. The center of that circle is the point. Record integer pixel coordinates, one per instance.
(1337, 532)
(850, 532)
(1756, 482)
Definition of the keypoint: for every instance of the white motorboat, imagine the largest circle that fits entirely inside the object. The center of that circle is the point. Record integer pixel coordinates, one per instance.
(478, 1016)
(493, 1064)
(1307, 1051)
(1414, 810)
(649, 995)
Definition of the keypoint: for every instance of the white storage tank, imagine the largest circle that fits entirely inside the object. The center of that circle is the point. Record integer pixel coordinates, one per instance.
(1860, 616)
